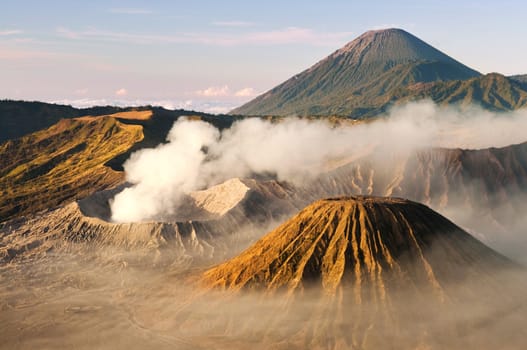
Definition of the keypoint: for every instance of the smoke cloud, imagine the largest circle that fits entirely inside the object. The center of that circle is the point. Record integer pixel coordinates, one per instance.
(161, 175)
(197, 155)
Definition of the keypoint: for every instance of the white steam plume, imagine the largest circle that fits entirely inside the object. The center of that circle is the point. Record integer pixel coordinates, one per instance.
(162, 174)
(197, 155)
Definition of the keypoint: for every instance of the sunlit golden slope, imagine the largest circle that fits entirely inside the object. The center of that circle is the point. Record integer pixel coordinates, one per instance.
(65, 161)
(366, 243)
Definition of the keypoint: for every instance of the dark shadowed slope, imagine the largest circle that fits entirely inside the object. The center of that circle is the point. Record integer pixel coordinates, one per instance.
(19, 118)
(521, 78)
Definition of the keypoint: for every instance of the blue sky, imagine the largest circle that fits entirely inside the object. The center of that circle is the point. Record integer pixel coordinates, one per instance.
(214, 55)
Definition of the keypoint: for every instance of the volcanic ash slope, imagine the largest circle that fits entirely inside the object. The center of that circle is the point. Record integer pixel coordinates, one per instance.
(371, 272)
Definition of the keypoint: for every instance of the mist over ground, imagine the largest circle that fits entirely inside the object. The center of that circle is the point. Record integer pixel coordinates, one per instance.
(197, 155)
(108, 299)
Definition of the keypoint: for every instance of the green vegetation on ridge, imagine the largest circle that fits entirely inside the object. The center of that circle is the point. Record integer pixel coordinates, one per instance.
(492, 91)
(379, 69)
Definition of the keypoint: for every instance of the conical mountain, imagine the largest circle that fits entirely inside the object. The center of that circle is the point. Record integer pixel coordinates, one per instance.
(339, 83)
(378, 51)
(372, 245)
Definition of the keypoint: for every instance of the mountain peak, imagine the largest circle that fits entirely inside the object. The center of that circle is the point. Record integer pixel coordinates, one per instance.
(359, 241)
(384, 30)
(390, 47)
(372, 35)
(373, 65)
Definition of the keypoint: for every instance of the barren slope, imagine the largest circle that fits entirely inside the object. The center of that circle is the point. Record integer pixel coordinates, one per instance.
(63, 162)
(359, 241)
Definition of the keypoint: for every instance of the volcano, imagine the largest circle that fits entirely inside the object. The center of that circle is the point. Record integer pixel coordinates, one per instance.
(381, 68)
(360, 242)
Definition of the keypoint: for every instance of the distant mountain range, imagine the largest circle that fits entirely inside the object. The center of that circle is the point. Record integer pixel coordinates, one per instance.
(382, 68)
(521, 78)
(19, 118)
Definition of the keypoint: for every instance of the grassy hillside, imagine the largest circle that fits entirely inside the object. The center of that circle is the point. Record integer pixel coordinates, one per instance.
(63, 162)
(492, 91)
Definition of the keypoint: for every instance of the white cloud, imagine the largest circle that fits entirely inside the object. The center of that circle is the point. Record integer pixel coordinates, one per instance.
(121, 92)
(218, 109)
(66, 33)
(81, 92)
(284, 36)
(233, 24)
(246, 92)
(130, 11)
(293, 35)
(215, 107)
(214, 91)
(8, 53)
(8, 32)
(20, 40)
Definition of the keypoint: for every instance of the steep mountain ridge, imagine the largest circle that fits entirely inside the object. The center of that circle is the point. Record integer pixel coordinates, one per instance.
(481, 190)
(389, 47)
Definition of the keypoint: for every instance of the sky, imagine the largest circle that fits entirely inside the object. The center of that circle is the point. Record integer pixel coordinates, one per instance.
(216, 55)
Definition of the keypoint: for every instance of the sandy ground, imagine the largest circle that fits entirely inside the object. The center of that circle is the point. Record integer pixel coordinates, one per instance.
(84, 298)
(88, 301)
